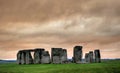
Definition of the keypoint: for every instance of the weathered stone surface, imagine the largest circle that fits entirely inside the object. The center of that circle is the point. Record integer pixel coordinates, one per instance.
(64, 56)
(91, 60)
(56, 60)
(38, 55)
(45, 57)
(23, 57)
(87, 57)
(97, 56)
(19, 57)
(77, 54)
(29, 59)
(56, 54)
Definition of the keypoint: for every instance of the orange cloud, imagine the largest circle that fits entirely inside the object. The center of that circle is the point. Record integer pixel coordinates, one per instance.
(93, 24)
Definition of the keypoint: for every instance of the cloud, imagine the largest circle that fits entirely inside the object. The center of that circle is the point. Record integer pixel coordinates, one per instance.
(42, 10)
(59, 23)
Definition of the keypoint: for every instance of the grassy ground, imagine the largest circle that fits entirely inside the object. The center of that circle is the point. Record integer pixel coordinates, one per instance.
(104, 67)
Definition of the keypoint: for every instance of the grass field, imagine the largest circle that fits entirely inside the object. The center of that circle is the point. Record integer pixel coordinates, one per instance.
(104, 67)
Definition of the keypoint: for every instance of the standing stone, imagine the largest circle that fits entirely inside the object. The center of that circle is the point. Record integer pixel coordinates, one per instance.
(87, 57)
(23, 57)
(38, 55)
(29, 59)
(56, 55)
(97, 56)
(19, 57)
(45, 58)
(64, 56)
(41, 51)
(91, 60)
(77, 54)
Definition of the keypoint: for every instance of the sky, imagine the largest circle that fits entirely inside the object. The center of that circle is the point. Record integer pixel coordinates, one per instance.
(28, 24)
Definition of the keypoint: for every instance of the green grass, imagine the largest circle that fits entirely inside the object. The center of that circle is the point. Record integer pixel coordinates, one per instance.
(104, 67)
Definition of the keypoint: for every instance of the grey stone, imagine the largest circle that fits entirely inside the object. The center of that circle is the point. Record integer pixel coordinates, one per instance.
(19, 57)
(56, 60)
(97, 56)
(56, 54)
(91, 60)
(28, 59)
(87, 57)
(64, 56)
(38, 55)
(23, 57)
(77, 54)
(45, 58)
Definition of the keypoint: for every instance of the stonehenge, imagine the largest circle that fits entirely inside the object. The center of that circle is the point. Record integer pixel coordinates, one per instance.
(28, 58)
(91, 60)
(24, 57)
(64, 56)
(93, 57)
(97, 56)
(87, 57)
(58, 56)
(45, 57)
(38, 55)
(77, 54)
(19, 57)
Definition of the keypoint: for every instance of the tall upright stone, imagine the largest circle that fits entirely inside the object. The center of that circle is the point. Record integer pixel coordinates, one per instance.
(64, 56)
(19, 57)
(23, 57)
(45, 57)
(91, 60)
(87, 57)
(97, 56)
(29, 59)
(38, 55)
(56, 55)
(77, 54)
